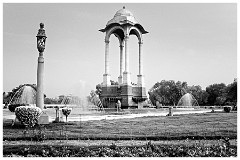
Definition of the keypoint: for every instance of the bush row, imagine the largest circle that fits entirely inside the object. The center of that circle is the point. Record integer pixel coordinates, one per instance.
(148, 150)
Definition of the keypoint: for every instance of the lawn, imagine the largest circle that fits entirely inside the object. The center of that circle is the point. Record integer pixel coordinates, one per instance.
(208, 127)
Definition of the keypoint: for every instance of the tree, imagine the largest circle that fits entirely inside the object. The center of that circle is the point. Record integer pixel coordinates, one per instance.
(216, 94)
(166, 92)
(231, 93)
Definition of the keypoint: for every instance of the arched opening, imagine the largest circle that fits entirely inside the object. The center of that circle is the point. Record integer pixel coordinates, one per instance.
(114, 56)
(114, 52)
(133, 57)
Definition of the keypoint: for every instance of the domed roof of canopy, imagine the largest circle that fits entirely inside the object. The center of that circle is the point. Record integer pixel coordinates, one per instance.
(123, 16)
(124, 12)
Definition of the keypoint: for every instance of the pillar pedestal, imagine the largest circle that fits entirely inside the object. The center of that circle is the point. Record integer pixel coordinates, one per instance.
(120, 80)
(44, 118)
(106, 79)
(126, 78)
(59, 115)
(140, 81)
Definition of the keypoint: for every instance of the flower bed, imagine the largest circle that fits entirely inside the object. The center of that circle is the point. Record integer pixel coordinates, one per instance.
(148, 150)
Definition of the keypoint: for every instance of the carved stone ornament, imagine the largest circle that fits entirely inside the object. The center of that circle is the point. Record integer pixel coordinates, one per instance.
(41, 38)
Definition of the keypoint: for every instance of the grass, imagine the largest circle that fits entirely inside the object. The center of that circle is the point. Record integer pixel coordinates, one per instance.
(204, 135)
(192, 126)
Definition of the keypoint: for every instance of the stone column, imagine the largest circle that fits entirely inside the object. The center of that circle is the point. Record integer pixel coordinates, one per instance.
(106, 57)
(120, 81)
(126, 54)
(140, 58)
(106, 76)
(40, 70)
(140, 82)
(126, 73)
(41, 39)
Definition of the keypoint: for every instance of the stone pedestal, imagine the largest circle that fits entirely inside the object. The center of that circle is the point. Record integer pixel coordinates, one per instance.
(126, 78)
(44, 118)
(120, 80)
(126, 95)
(106, 79)
(140, 81)
(59, 115)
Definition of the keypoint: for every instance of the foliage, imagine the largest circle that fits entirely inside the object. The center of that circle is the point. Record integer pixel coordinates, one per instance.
(215, 92)
(51, 101)
(147, 150)
(66, 112)
(28, 115)
(220, 94)
(227, 108)
(169, 93)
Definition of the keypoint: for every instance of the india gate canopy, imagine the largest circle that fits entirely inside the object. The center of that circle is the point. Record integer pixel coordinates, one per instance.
(122, 25)
(122, 17)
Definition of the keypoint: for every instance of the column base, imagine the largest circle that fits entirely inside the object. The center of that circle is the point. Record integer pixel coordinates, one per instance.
(44, 118)
(59, 116)
(140, 81)
(126, 78)
(106, 79)
(126, 95)
(120, 80)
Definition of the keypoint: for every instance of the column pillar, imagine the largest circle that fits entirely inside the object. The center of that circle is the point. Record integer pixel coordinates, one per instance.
(106, 75)
(140, 58)
(126, 73)
(41, 39)
(120, 80)
(40, 70)
(140, 82)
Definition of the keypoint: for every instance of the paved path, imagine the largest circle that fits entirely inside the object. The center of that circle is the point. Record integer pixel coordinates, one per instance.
(84, 143)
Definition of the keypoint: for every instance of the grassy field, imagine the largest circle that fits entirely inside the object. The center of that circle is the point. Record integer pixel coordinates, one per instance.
(191, 126)
(190, 135)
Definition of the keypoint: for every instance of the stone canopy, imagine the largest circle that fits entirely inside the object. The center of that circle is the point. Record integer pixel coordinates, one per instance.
(121, 18)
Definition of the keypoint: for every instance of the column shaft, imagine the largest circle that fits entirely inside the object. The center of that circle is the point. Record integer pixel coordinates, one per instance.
(121, 60)
(140, 58)
(126, 55)
(40, 71)
(106, 57)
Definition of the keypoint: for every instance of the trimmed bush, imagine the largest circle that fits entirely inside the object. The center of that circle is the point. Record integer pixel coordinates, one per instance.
(28, 115)
(66, 112)
(227, 109)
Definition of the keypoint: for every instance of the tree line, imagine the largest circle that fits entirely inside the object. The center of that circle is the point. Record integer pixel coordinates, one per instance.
(168, 93)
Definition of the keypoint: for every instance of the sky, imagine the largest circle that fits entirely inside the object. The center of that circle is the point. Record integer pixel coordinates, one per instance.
(196, 43)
